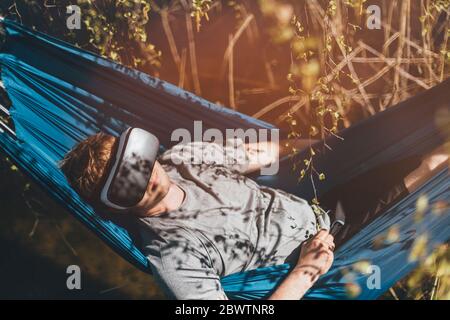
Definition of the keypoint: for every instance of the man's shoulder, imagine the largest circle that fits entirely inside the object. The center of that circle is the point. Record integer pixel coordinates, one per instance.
(165, 231)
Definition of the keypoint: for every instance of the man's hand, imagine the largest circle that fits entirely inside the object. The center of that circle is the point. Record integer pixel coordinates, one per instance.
(315, 260)
(316, 256)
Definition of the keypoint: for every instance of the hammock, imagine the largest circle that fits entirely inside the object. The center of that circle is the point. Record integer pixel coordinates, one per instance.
(61, 94)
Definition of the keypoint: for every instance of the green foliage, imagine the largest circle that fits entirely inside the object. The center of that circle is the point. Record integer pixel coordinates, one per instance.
(114, 29)
(199, 10)
(117, 30)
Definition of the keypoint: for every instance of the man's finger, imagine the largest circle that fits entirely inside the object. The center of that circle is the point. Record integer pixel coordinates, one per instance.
(322, 234)
(330, 242)
(330, 238)
(323, 245)
(324, 254)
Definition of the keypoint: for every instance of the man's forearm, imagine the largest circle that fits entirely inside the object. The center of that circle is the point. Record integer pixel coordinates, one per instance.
(435, 161)
(294, 286)
(264, 153)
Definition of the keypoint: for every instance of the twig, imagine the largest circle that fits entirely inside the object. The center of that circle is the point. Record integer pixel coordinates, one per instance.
(443, 63)
(313, 184)
(420, 49)
(275, 104)
(400, 48)
(243, 81)
(294, 109)
(342, 64)
(251, 31)
(17, 11)
(35, 225)
(393, 293)
(398, 68)
(193, 55)
(182, 68)
(377, 76)
(435, 287)
(113, 288)
(320, 16)
(169, 35)
(66, 242)
(36, 216)
(269, 71)
(342, 111)
(231, 74)
(389, 41)
(233, 41)
(387, 32)
(392, 60)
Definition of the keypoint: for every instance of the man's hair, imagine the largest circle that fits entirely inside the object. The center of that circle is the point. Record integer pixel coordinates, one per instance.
(84, 166)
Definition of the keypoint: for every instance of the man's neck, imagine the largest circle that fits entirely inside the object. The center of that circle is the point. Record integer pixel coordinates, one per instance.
(172, 201)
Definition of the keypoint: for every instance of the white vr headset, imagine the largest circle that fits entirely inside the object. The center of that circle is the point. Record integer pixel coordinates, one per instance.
(130, 169)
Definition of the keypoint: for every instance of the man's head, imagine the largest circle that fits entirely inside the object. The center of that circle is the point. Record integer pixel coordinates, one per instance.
(86, 166)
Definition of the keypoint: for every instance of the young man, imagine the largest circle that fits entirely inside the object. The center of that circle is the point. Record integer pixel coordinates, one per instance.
(200, 221)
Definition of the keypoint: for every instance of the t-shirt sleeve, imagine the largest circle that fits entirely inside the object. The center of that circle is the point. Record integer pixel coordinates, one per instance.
(183, 269)
(232, 154)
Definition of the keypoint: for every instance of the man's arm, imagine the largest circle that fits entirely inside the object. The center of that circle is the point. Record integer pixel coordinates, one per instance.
(262, 154)
(316, 258)
(437, 160)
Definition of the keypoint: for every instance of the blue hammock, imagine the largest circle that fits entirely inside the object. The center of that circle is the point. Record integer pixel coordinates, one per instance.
(61, 94)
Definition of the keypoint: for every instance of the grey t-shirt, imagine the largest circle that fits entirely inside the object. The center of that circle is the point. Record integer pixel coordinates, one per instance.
(227, 223)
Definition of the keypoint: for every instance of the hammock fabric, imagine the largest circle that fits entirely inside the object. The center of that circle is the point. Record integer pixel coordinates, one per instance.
(61, 94)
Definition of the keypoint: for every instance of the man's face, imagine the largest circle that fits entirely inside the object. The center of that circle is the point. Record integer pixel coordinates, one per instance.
(156, 191)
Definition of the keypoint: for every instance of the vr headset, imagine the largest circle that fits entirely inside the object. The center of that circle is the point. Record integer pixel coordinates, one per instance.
(130, 169)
